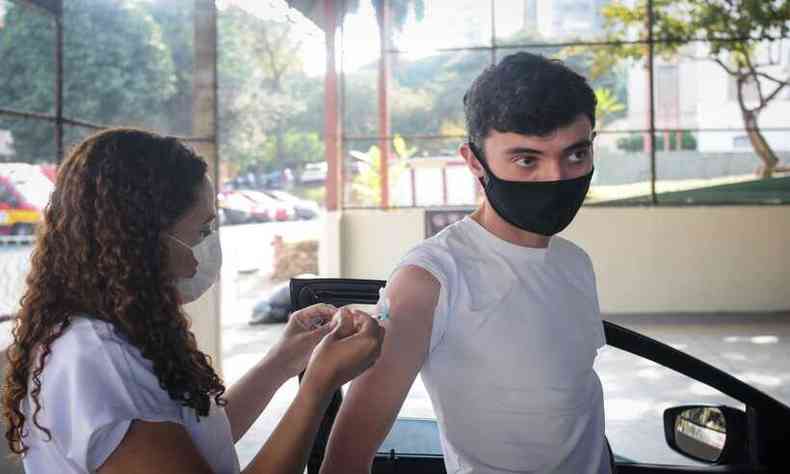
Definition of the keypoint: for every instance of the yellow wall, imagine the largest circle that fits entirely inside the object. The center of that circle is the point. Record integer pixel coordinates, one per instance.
(374, 241)
(648, 260)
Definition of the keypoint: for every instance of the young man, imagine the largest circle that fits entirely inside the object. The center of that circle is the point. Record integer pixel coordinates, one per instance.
(500, 315)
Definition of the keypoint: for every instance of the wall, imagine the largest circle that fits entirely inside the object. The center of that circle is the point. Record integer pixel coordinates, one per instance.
(204, 313)
(374, 241)
(648, 260)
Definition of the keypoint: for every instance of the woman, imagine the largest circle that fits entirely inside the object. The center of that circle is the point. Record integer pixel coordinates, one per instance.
(105, 375)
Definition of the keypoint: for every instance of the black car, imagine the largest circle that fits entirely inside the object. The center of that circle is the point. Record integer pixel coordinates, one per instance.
(717, 437)
(275, 307)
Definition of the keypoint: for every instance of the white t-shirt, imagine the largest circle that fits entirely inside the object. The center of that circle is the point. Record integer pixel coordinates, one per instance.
(510, 370)
(93, 385)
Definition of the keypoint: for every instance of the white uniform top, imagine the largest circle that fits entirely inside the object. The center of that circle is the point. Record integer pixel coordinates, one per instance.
(93, 385)
(510, 369)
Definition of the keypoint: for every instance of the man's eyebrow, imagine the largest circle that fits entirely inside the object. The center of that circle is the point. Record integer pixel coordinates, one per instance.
(585, 143)
(522, 150)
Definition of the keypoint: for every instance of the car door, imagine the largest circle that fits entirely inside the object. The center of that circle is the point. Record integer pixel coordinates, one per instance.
(758, 427)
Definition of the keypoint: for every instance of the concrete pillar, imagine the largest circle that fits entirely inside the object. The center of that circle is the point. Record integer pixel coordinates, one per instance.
(205, 312)
(332, 125)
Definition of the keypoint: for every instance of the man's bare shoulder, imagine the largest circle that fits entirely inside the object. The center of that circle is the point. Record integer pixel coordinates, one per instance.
(412, 277)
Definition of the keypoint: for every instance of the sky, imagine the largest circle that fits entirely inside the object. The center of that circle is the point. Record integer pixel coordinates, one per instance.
(447, 23)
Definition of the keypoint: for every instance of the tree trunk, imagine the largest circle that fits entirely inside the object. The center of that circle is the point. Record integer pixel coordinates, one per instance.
(279, 146)
(760, 145)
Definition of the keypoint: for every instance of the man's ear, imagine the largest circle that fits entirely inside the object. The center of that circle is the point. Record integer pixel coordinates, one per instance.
(471, 160)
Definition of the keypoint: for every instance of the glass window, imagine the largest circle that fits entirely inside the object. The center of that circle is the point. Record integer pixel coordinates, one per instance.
(557, 21)
(715, 167)
(422, 172)
(463, 23)
(27, 77)
(129, 64)
(426, 93)
(622, 169)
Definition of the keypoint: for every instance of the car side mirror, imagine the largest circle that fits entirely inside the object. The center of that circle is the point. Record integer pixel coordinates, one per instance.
(711, 434)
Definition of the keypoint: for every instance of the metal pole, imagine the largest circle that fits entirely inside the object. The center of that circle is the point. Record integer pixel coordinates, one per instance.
(384, 115)
(413, 174)
(59, 82)
(342, 188)
(444, 184)
(331, 127)
(651, 101)
(493, 32)
(478, 190)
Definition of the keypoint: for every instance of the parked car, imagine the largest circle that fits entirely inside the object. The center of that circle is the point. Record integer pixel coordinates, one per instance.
(267, 208)
(314, 173)
(24, 193)
(235, 208)
(275, 307)
(304, 209)
(278, 179)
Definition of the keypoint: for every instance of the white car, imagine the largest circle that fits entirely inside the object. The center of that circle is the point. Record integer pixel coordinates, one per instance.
(314, 172)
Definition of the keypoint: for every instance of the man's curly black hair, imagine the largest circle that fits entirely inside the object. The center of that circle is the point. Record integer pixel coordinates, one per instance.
(527, 94)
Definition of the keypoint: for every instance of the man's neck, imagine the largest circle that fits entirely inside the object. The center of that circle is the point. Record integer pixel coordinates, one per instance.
(492, 222)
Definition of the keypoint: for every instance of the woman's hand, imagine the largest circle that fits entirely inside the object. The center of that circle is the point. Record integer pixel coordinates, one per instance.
(352, 346)
(304, 331)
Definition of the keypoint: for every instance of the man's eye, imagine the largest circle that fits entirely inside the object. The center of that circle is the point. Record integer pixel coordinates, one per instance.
(580, 155)
(205, 231)
(526, 162)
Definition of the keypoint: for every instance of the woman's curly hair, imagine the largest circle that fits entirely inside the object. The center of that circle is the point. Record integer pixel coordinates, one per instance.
(99, 254)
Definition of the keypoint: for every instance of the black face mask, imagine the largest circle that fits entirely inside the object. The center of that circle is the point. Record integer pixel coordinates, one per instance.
(540, 207)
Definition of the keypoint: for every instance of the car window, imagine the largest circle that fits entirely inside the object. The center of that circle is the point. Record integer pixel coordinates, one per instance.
(636, 393)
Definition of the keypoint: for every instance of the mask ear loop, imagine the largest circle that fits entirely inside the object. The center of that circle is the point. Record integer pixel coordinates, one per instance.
(476, 152)
(179, 241)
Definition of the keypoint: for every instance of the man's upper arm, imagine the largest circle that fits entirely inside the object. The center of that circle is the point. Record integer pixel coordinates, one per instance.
(374, 399)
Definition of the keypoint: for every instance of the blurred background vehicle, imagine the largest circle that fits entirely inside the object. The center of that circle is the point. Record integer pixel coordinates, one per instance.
(314, 173)
(275, 306)
(303, 208)
(235, 208)
(267, 208)
(24, 193)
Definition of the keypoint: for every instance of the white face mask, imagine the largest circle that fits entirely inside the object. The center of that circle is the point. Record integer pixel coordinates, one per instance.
(208, 254)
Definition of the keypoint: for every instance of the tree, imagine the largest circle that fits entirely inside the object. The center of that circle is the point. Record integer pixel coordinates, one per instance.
(737, 31)
(297, 147)
(366, 186)
(117, 69)
(399, 10)
(608, 105)
(175, 21)
(264, 95)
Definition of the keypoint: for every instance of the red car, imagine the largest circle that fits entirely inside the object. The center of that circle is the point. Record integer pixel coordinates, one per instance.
(24, 193)
(265, 208)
